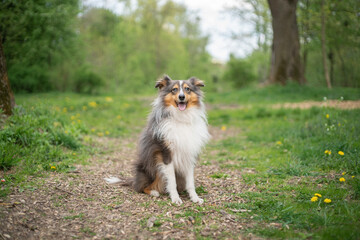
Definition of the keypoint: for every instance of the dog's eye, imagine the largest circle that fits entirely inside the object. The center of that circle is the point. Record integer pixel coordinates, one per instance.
(187, 89)
(174, 90)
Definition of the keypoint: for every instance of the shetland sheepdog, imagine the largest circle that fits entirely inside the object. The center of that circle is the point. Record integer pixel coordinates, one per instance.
(171, 143)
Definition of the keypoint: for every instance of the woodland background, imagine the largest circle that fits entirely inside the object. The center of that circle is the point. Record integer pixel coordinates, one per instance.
(53, 45)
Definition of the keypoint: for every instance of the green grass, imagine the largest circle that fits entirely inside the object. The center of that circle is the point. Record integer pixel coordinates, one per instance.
(284, 147)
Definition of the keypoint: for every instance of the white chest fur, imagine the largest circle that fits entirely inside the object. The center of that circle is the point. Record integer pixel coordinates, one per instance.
(186, 133)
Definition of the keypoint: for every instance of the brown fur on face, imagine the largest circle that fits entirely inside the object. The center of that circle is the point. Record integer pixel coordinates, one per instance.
(191, 98)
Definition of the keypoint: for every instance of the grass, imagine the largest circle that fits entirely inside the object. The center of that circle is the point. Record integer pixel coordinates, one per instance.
(284, 147)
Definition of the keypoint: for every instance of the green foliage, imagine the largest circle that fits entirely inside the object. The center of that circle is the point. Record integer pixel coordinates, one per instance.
(87, 81)
(35, 138)
(37, 38)
(239, 71)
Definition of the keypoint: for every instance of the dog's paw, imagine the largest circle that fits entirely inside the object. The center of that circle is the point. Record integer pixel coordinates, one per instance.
(154, 193)
(197, 200)
(176, 200)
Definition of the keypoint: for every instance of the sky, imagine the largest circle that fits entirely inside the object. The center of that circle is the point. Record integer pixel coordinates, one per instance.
(215, 22)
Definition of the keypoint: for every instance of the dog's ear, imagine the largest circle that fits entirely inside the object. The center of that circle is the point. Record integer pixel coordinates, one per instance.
(197, 82)
(164, 81)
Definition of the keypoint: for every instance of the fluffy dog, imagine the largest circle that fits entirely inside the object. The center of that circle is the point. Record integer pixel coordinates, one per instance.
(172, 141)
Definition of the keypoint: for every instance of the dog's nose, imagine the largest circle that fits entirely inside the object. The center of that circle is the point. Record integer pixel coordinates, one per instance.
(181, 97)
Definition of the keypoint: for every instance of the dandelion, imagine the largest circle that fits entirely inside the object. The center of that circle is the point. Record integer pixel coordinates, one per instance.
(341, 153)
(314, 199)
(279, 143)
(317, 195)
(93, 104)
(100, 134)
(342, 179)
(53, 167)
(74, 154)
(79, 121)
(352, 176)
(84, 108)
(223, 128)
(118, 117)
(64, 110)
(2, 180)
(327, 152)
(107, 132)
(327, 200)
(343, 173)
(92, 130)
(72, 117)
(327, 115)
(108, 99)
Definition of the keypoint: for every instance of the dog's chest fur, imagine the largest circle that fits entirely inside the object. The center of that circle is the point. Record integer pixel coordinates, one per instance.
(185, 133)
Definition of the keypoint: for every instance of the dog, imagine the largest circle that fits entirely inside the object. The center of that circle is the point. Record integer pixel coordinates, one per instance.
(170, 144)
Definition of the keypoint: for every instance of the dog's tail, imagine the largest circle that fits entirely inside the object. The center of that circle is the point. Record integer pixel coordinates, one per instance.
(123, 181)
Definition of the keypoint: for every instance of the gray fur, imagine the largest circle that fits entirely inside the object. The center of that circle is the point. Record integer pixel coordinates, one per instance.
(150, 142)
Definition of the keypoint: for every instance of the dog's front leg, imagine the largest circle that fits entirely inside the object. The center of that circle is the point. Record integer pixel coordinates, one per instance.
(190, 186)
(169, 174)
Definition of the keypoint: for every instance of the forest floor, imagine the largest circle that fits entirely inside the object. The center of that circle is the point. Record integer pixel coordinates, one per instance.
(81, 205)
(253, 178)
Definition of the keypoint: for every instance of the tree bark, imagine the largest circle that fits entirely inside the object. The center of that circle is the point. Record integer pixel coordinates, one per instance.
(323, 47)
(7, 100)
(285, 57)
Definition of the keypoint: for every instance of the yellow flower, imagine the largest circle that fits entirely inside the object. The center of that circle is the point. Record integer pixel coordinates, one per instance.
(327, 200)
(107, 132)
(327, 115)
(352, 176)
(327, 152)
(341, 153)
(93, 130)
(64, 110)
(66, 132)
(53, 167)
(74, 154)
(342, 179)
(343, 173)
(317, 195)
(108, 99)
(223, 128)
(314, 199)
(100, 134)
(339, 124)
(84, 108)
(118, 117)
(92, 104)
(73, 117)
(79, 121)
(279, 143)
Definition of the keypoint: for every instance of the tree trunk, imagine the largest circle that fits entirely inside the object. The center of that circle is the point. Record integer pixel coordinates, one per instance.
(7, 100)
(285, 57)
(323, 47)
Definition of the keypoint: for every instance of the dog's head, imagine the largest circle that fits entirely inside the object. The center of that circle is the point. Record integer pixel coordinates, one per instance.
(181, 94)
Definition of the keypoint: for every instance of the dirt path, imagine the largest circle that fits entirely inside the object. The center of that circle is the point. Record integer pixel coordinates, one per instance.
(302, 105)
(80, 205)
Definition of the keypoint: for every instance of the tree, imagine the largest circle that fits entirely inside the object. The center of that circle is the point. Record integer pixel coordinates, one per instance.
(323, 46)
(7, 100)
(285, 57)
